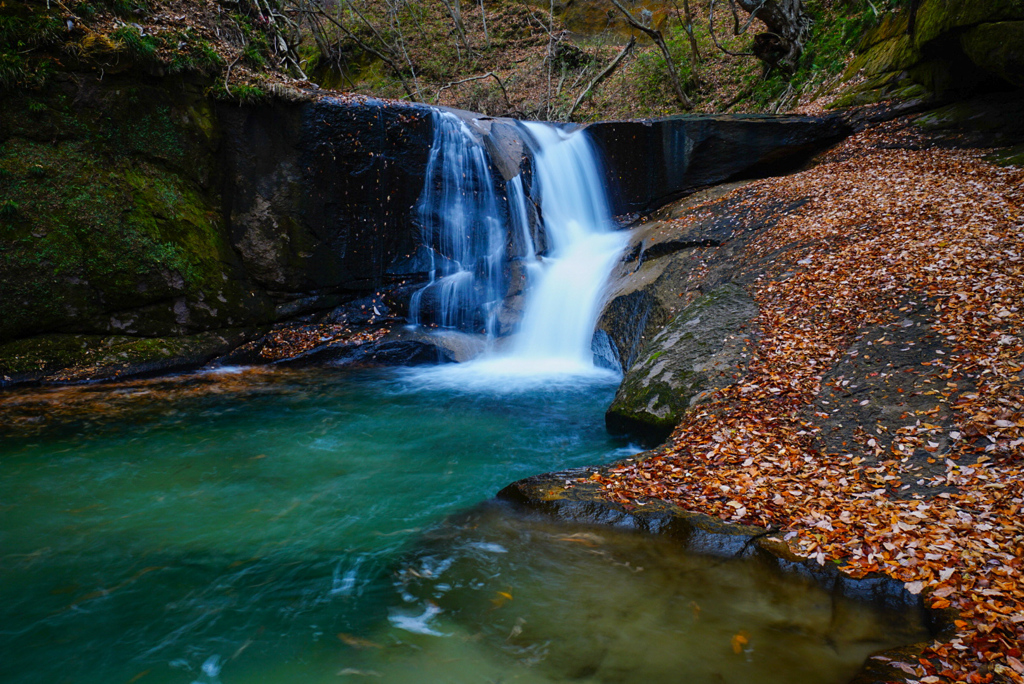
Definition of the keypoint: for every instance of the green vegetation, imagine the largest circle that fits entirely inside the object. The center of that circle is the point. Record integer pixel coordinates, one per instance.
(834, 36)
(192, 54)
(20, 36)
(111, 218)
(141, 48)
(241, 93)
(9, 210)
(255, 46)
(121, 8)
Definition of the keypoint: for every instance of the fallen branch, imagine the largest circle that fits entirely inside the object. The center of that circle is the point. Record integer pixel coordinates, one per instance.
(603, 75)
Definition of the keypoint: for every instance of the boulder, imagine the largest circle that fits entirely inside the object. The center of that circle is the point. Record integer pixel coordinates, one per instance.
(656, 277)
(998, 48)
(957, 48)
(937, 18)
(700, 350)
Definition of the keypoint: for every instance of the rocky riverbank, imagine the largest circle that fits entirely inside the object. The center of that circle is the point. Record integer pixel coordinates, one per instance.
(866, 399)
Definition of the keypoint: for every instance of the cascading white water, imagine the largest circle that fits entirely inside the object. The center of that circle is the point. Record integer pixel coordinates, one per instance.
(562, 307)
(462, 227)
(566, 283)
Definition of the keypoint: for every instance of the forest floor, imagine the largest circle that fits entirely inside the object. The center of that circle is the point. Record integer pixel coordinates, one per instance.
(881, 421)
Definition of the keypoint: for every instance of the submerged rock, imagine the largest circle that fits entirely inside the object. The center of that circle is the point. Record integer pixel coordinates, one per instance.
(82, 358)
(571, 497)
(700, 350)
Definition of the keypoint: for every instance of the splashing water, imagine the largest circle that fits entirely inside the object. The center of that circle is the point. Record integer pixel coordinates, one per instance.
(567, 283)
(563, 306)
(464, 231)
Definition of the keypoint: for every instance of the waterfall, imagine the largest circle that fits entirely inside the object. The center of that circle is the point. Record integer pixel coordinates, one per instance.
(562, 307)
(461, 218)
(566, 278)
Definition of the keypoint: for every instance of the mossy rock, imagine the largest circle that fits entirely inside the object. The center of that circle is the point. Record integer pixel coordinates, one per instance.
(75, 358)
(998, 48)
(938, 17)
(892, 54)
(700, 350)
(92, 236)
(992, 120)
(109, 224)
(892, 25)
(1011, 156)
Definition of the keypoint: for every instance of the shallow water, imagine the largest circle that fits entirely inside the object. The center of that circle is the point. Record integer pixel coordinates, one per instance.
(271, 526)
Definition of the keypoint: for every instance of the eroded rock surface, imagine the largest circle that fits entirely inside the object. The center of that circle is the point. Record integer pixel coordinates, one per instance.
(700, 350)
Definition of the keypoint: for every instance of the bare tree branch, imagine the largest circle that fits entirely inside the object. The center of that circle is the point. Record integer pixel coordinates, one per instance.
(456, 14)
(367, 47)
(483, 15)
(659, 40)
(489, 74)
(687, 22)
(711, 29)
(603, 75)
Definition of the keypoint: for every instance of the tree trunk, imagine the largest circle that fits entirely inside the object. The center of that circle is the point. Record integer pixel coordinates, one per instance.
(659, 40)
(788, 30)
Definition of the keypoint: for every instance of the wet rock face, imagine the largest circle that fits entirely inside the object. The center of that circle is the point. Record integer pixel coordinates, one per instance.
(689, 248)
(650, 163)
(205, 217)
(321, 195)
(700, 350)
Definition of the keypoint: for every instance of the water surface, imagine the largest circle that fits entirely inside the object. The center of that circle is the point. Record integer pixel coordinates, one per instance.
(288, 526)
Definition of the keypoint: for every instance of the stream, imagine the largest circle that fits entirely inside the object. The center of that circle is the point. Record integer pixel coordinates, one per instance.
(297, 526)
(301, 526)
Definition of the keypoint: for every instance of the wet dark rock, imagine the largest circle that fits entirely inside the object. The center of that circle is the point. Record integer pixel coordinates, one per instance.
(677, 256)
(998, 48)
(990, 120)
(211, 216)
(569, 496)
(360, 312)
(321, 195)
(63, 358)
(384, 352)
(700, 350)
(653, 162)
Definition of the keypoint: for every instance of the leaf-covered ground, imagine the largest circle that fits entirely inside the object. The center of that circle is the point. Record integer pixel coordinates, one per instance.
(881, 423)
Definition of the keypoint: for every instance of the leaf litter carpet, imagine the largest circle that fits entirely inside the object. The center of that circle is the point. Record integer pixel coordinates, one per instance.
(880, 425)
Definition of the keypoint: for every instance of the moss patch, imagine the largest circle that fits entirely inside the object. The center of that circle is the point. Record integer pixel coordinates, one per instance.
(696, 352)
(1011, 156)
(71, 358)
(111, 216)
(936, 17)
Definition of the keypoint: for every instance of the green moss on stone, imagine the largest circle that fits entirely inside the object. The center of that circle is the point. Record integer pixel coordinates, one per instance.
(1011, 156)
(937, 17)
(108, 219)
(892, 54)
(681, 362)
(63, 357)
(998, 48)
